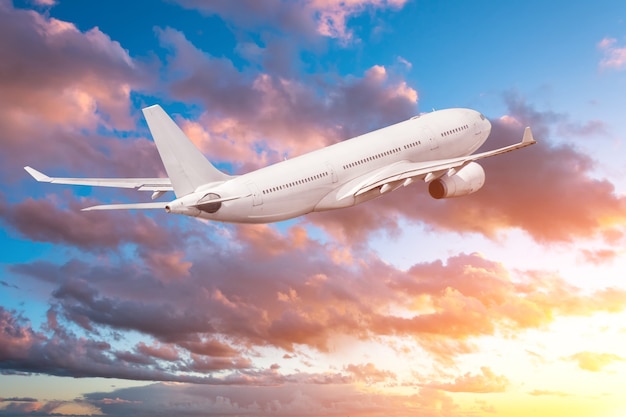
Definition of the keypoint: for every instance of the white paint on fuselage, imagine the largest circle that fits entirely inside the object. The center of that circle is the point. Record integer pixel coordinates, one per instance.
(296, 186)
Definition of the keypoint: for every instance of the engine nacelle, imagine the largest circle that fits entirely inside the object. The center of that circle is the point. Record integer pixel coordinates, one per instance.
(467, 180)
(193, 204)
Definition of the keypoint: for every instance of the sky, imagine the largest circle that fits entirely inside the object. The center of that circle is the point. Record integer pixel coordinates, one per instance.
(507, 302)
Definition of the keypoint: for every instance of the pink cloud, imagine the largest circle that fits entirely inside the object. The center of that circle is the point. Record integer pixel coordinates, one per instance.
(160, 351)
(310, 19)
(168, 266)
(47, 3)
(333, 16)
(59, 83)
(614, 56)
(599, 256)
(42, 52)
(279, 115)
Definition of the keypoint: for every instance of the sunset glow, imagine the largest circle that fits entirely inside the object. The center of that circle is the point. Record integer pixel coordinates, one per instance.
(510, 302)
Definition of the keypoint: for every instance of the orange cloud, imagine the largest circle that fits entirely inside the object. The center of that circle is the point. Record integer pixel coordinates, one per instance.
(369, 374)
(594, 362)
(160, 351)
(599, 256)
(485, 382)
(168, 265)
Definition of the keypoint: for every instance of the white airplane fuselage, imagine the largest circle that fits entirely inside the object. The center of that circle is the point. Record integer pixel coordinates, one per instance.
(436, 148)
(315, 181)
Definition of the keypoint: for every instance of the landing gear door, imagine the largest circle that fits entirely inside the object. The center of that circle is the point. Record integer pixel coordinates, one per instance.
(257, 196)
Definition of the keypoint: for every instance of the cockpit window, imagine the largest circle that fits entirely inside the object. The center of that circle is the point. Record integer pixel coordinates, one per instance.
(482, 117)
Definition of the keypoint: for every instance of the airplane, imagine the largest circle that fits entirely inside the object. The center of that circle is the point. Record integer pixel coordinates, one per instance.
(436, 148)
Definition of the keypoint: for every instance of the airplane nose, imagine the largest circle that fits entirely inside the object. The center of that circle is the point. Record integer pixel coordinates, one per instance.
(487, 126)
(483, 125)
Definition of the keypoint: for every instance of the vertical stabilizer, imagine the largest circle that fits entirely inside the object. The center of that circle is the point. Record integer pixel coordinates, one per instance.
(184, 163)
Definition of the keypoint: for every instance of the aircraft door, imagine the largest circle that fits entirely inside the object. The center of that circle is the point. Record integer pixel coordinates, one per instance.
(331, 171)
(257, 196)
(428, 135)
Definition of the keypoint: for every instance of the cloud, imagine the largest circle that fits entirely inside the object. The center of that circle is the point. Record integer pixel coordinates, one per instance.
(541, 393)
(58, 83)
(260, 116)
(283, 400)
(293, 298)
(614, 56)
(168, 266)
(485, 382)
(62, 353)
(38, 81)
(47, 220)
(599, 256)
(19, 399)
(46, 3)
(369, 374)
(309, 19)
(594, 362)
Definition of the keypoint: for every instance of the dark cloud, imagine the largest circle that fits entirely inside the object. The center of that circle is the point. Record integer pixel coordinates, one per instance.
(59, 352)
(59, 220)
(287, 399)
(19, 399)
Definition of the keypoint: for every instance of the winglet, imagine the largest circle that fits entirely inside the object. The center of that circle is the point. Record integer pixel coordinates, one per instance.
(39, 176)
(528, 136)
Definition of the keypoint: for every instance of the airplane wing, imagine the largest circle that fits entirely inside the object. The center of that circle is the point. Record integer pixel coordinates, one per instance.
(405, 172)
(131, 206)
(142, 184)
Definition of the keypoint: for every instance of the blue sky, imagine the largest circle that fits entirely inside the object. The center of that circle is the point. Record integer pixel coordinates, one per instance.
(502, 303)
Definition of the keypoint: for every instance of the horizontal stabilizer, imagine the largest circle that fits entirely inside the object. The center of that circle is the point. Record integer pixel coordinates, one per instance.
(132, 206)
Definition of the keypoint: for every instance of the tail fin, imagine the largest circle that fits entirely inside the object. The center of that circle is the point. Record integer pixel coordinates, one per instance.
(184, 163)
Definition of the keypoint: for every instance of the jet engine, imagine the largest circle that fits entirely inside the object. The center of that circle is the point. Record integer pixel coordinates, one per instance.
(467, 180)
(192, 204)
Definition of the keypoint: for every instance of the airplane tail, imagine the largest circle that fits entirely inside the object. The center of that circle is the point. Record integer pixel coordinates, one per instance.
(184, 163)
